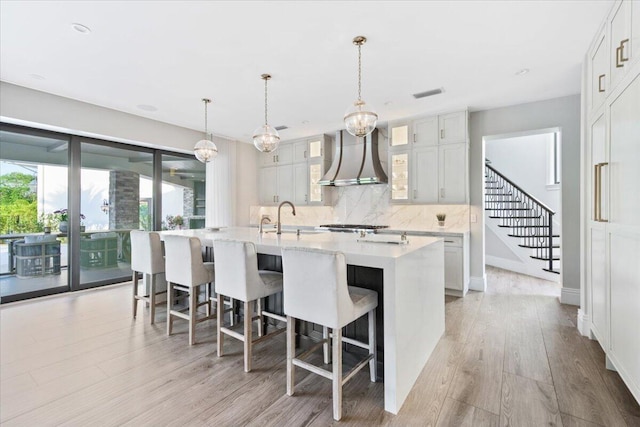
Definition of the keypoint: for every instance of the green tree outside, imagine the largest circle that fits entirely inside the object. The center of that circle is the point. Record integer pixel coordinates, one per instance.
(18, 204)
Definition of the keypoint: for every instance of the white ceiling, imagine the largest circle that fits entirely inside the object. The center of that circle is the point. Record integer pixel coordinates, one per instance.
(170, 54)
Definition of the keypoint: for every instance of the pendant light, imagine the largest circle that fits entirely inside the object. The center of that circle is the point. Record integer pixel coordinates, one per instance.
(205, 150)
(360, 119)
(266, 138)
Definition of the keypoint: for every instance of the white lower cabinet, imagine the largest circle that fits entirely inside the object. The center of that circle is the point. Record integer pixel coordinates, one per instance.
(456, 265)
(598, 279)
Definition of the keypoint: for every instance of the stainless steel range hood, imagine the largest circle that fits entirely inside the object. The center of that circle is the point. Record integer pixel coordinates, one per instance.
(355, 161)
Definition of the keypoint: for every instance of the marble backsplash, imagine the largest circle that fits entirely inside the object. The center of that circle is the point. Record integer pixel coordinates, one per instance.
(369, 204)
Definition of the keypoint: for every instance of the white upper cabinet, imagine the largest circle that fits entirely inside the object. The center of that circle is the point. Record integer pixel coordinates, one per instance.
(300, 151)
(624, 40)
(399, 135)
(425, 175)
(428, 158)
(598, 62)
(292, 172)
(452, 162)
(452, 128)
(425, 131)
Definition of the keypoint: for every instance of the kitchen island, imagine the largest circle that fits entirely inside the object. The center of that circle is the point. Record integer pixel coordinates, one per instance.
(412, 291)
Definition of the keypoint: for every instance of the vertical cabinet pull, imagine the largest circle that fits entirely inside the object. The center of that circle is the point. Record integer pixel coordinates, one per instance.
(414, 137)
(442, 193)
(305, 154)
(600, 88)
(597, 196)
(441, 133)
(415, 194)
(622, 43)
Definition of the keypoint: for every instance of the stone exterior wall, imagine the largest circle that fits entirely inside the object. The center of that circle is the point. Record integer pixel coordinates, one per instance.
(124, 200)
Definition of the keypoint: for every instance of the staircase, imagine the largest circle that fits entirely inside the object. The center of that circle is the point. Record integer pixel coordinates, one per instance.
(525, 217)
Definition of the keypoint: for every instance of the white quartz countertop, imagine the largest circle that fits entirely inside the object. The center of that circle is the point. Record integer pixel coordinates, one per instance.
(358, 250)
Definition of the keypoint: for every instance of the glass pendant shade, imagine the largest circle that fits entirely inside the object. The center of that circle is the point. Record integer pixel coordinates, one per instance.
(360, 119)
(266, 138)
(205, 150)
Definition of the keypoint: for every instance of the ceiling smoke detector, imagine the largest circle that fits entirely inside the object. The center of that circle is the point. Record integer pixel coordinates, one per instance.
(428, 93)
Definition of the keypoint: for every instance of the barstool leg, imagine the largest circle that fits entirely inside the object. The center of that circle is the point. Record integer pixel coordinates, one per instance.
(291, 353)
(232, 313)
(220, 314)
(193, 299)
(207, 295)
(134, 279)
(337, 373)
(260, 317)
(152, 297)
(373, 363)
(248, 314)
(169, 299)
(326, 348)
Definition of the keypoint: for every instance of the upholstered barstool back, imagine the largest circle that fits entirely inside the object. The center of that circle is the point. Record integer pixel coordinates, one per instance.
(186, 272)
(237, 274)
(315, 290)
(238, 277)
(184, 265)
(146, 258)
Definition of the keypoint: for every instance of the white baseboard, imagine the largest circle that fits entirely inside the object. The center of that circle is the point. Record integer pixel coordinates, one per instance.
(570, 296)
(478, 283)
(584, 324)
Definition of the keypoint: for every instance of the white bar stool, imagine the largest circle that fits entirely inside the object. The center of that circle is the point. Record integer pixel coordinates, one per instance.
(147, 259)
(237, 276)
(316, 290)
(186, 272)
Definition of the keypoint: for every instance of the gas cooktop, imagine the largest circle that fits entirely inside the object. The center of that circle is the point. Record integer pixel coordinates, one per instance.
(351, 227)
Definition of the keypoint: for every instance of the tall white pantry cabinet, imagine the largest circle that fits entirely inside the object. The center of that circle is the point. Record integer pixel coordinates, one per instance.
(611, 179)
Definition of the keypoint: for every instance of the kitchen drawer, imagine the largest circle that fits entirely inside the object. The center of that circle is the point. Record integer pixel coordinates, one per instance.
(453, 241)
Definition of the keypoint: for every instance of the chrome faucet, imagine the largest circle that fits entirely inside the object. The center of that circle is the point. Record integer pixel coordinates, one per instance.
(279, 224)
(264, 219)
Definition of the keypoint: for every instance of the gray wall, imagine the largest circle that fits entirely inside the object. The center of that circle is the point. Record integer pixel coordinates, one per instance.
(559, 112)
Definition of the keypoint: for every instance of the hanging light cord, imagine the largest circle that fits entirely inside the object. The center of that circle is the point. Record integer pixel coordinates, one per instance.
(359, 72)
(265, 102)
(205, 119)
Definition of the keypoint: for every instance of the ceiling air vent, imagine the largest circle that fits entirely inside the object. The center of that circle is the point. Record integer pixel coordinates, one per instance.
(282, 127)
(428, 93)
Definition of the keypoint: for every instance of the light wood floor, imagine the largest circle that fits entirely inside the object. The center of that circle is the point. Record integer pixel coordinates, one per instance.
(510, 356)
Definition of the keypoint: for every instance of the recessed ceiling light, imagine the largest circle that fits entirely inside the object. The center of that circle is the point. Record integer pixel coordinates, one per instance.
(388, 103)
(36, 77)
(81, 28)
(146, 107)
(305, 122)
(522, 72)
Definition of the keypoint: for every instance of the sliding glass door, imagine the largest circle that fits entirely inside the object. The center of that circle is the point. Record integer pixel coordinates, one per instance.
(115, 194)
(69, 204)
(33, 201)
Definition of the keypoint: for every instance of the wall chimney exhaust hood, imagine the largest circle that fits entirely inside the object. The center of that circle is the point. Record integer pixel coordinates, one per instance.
(355, 161)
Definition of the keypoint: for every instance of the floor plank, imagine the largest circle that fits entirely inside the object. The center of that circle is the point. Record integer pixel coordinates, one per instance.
(528, 402)
(458, 414)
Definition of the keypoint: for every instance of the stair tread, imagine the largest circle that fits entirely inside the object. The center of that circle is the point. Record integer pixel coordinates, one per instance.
(514, 217)
(539, 246)
(541, 258)
(532, 235)
(523, 226)
(552, 271)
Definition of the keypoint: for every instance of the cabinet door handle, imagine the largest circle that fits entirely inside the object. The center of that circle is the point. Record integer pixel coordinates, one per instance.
(305, 197)
(622, 43)
(305, 154)
(414, 137)
(441, 133)
(442, 193)
(448, 241)
(274, 199)
(618, 54)
(600, 88)
(415, 194)
(597, 196)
